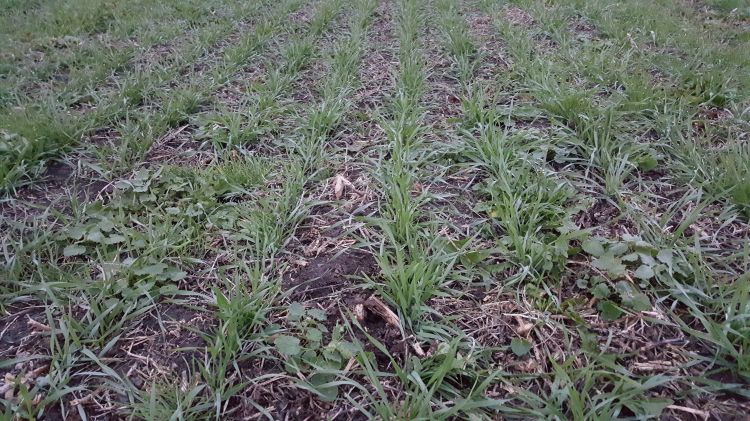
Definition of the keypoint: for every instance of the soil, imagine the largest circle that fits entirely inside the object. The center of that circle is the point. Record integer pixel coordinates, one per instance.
(325, 271)
(326, 274)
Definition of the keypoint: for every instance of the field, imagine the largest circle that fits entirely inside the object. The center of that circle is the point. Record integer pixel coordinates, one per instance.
(388, 209)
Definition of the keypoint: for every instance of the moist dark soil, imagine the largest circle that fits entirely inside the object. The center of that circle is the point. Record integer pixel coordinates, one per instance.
(326, 274)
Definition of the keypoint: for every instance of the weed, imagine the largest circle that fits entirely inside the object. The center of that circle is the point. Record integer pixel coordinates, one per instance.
(562, 237)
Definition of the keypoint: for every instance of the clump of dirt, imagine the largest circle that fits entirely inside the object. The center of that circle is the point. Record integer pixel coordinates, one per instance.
(456, 200)
(494, 57)
(606, 220)
(714, 113)
(326, 274)
(303, 15)
(163, 344)
(378, 62)
(179, 147)
(519, 17)
(583, 29)
(329, 281)
(21, 332)
(154, 55)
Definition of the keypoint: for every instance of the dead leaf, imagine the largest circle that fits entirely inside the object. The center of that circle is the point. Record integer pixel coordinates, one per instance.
(529, 366)
(301, 262)
(339, 183)
(338, 186)
(9, 386)
(523, 327)
(697, 412)
(359, 312)
(37, 326)
(418, 349)
(417, 188)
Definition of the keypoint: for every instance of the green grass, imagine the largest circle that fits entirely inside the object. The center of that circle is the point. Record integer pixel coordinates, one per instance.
(207, 205)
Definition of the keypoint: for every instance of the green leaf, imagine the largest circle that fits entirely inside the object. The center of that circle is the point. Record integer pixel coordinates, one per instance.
(287, 345)
(319, 382)
(609, 310)
(624, 289)
(332, 357)
(618, 249)
(114, 239)
(473, 257)
(593, 247)
(295, 311)
(106, 225)
(153, 270)
(221, 299)
(317, 314)
(272, 329)
(311, 357)
(520, 347)
(314, 335)
(646, 259)
(644, 272)
(649, 407)
(123, 184)
(348, 349)
(169, 289)
(639, 302)
(665, 256)
(175, 275)
(74, 250)
(632, 298)
(609, 263)
(601, 291)
(630, 238)
(95, 236)
(76, 233)
(647, 163)
(455, 245)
